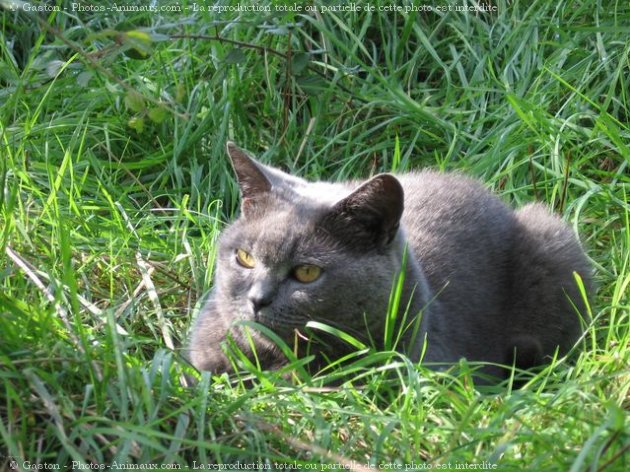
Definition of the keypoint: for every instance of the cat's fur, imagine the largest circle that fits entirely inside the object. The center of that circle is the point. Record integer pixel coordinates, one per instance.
(486, 281)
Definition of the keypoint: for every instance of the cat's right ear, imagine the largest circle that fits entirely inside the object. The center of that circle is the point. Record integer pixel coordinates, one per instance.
(252, 181)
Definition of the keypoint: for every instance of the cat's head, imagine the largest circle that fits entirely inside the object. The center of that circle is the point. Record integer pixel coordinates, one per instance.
(309, 251)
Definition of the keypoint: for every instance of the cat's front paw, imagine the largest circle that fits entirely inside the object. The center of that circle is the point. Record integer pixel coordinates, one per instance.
(214, 361)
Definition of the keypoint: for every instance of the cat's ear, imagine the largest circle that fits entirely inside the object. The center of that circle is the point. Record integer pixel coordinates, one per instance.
(251, 179)
(372, 211)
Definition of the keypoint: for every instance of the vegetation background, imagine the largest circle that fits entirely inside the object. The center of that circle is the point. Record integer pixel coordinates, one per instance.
(114, 186)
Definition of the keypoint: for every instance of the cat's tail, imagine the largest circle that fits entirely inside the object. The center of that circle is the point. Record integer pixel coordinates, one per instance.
(546, 302)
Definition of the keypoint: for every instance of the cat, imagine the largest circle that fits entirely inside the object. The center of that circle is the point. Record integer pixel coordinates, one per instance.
(481, 281)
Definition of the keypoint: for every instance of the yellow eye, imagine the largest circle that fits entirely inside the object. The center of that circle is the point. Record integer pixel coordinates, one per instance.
(307, 273)
(245, 259)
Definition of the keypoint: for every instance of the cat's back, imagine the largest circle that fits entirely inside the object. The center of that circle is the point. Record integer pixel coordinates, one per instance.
(452, 208)
(459, 232)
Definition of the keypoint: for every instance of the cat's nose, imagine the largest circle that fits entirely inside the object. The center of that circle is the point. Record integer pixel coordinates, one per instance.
(259, 301)
(260, 296)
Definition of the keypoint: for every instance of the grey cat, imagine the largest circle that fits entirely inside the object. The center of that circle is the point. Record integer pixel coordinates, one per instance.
(482, 282)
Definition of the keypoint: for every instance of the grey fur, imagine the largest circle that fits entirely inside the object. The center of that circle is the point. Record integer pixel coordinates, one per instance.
(484, 280)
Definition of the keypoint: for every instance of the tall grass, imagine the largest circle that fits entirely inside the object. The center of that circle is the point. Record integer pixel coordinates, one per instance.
(114, 188)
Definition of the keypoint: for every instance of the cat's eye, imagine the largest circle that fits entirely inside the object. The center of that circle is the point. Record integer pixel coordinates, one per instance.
(307, 273)
(245, 259)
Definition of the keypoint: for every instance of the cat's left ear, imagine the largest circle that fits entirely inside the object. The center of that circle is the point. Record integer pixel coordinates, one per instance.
(372, 211)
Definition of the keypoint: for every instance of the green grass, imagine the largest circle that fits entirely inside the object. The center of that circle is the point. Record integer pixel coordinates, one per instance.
(114, 186)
